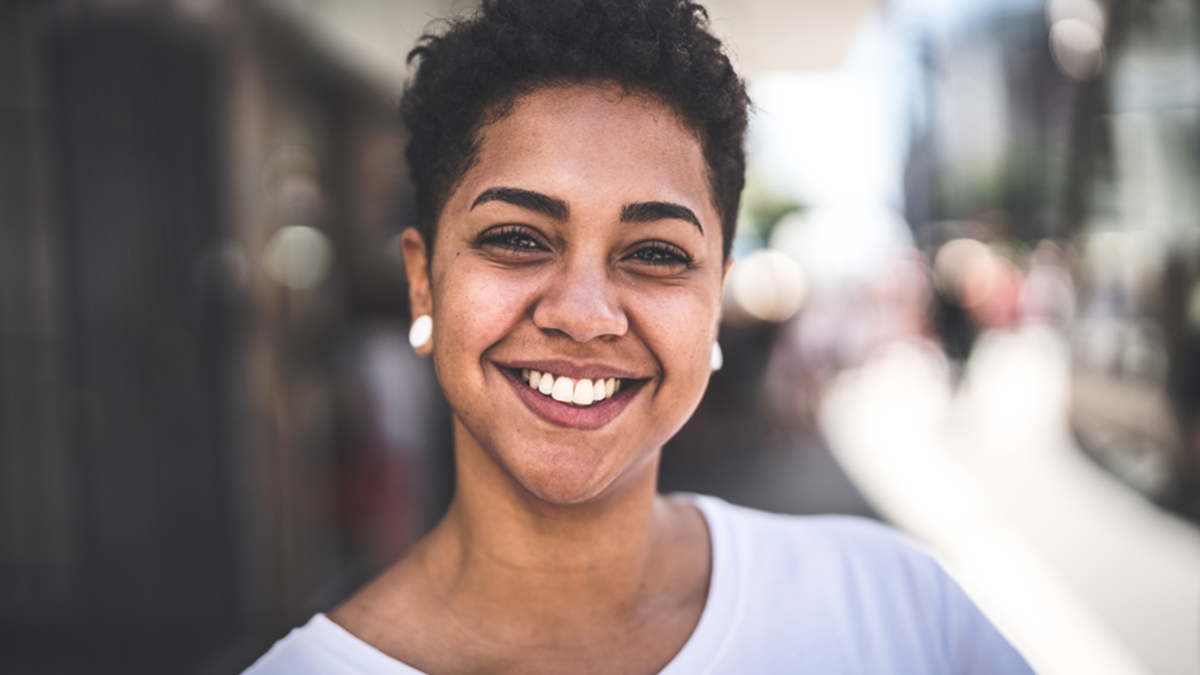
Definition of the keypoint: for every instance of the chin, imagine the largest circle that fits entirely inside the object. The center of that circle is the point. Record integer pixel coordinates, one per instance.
(562, 495)
(567, 478)
(564, 483)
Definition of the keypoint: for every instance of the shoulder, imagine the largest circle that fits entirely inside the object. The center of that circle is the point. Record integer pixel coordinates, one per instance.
(842, 584)
(854, 566)
(848, 542)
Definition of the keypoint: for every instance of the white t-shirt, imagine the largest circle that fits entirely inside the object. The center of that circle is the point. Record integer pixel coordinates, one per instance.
(830, 595)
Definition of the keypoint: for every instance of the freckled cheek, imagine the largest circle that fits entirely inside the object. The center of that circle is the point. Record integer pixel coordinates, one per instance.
(678, 329)
(477, 310)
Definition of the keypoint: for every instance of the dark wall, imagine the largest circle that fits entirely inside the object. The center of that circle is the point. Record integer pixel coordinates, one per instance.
(119, 535)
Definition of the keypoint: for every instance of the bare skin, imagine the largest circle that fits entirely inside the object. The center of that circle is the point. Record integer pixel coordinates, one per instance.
(610, 595)
(557, 555)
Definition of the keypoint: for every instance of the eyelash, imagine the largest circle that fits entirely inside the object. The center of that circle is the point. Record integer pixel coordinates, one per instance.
(662, 254)
(515, 238)
(511, 238)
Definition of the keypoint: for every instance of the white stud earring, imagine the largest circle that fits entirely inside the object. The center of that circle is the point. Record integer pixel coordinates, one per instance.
(421, 331)
(717, 358)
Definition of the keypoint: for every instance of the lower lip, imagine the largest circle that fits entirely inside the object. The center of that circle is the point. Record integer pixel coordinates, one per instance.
(561, 414)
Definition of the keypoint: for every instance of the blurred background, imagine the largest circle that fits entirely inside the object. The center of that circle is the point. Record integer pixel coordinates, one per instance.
(966, 302)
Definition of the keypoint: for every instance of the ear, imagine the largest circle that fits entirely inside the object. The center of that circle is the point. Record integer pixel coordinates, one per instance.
(416, 266)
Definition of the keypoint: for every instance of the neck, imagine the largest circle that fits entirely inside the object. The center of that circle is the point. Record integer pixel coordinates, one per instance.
(502, 546)
(509, 580)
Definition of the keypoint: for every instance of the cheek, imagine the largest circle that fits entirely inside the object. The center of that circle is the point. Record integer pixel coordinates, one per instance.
(679, 328)
(474, 310)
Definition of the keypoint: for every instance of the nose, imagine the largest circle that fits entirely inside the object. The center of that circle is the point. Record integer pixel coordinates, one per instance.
(581, 302)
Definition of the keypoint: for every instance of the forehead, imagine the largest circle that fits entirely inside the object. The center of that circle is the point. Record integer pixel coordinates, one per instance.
(592, 139)
(589, 106)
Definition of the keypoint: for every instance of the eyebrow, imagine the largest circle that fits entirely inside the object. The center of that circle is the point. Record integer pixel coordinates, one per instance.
(647, 212)
(637, 212)
(526, 199)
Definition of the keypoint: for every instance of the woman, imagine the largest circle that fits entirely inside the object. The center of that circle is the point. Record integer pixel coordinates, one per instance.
(578, 166)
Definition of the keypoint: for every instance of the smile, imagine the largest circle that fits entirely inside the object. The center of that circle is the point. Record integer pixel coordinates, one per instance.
(581, 392)
(563, 401)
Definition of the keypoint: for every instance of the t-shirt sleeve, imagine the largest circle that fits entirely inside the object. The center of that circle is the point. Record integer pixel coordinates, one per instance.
(974, 645)
(321, 647)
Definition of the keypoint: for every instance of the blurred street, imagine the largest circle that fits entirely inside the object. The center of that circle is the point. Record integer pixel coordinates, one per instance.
(1081, 572)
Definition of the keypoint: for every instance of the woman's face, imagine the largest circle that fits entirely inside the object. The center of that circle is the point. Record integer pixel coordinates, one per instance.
(583, 243)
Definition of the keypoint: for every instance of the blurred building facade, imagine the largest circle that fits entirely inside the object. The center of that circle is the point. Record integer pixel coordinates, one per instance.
(198, 298)
(1131, 194)
(1060, 138)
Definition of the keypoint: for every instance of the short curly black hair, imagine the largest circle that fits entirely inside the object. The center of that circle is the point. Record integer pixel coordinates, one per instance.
(470, 75)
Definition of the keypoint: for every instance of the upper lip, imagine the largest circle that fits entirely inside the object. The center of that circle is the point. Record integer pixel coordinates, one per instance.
(575, 370)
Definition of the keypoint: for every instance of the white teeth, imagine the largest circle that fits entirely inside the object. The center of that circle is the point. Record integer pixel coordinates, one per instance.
(567, 390)
(583, 393)
(564, 390)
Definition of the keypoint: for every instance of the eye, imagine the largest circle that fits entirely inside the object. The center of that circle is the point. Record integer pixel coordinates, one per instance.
(511, 238)
(661, 254)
